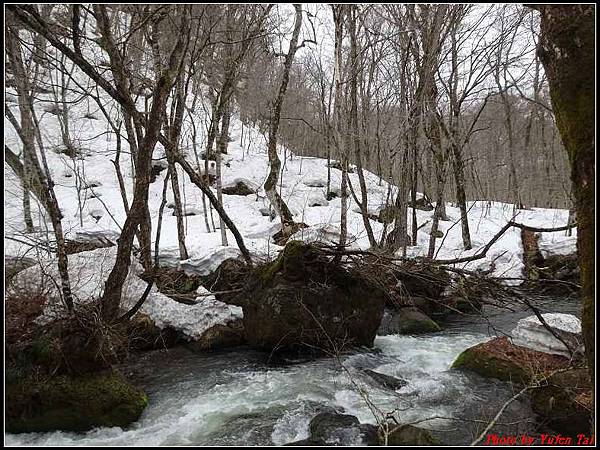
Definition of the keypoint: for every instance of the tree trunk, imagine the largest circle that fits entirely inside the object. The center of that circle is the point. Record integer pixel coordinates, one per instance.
(31, 166)
(567, 51)
(270, 186)
(222, 148)
(355, 127)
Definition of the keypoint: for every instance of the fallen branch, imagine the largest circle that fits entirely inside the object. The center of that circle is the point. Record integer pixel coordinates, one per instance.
(497, 236)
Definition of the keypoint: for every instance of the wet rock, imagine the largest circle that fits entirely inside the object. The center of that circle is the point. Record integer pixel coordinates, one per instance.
(407, 320)
(499, 358)
(72, 403)
(411, 435)
(386, 381)
(333, 428)
(221, 336)
(145, 335)
(301, 302)
(326, 424)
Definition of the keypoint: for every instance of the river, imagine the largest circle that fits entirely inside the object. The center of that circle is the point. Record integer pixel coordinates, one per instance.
(235, 398)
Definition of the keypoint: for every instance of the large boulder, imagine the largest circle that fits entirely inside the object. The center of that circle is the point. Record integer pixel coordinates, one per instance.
(72, 403)
(305, 301)
(499, 358)
(387, 381)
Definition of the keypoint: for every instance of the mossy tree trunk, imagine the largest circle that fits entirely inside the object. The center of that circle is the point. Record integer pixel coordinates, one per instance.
(567, 51)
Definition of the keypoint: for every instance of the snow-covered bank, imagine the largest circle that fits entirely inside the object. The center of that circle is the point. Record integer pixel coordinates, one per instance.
(99, 210)
(89, 270)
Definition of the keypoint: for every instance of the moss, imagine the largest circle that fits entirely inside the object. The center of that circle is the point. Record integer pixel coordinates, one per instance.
(489, 366)
(72, 404)
(289, 260)
(266, 272)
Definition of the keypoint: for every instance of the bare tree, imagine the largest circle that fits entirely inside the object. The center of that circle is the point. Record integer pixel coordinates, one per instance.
(270, 185)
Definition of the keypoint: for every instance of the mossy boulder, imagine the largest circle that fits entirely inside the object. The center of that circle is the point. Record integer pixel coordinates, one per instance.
(72, 403)
(501, 359)
(304, 301)
(408, 320)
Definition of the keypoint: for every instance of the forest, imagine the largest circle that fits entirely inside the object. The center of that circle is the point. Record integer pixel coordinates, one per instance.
(299, 224)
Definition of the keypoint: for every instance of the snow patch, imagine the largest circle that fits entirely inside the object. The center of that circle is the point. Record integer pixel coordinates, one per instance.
(530, 333)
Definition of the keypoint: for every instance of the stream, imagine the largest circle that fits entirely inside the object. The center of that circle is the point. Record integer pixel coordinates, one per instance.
(234, 398)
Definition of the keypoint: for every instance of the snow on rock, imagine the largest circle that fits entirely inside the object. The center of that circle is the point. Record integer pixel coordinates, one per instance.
(317, 199)
(557, 244)
(89, 270)
(315, 182)
(530, 333)
(324, 233)
(209, 262)
(191, 320)
(188, 210)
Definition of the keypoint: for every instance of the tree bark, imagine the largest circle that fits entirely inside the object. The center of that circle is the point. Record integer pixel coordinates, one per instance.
(567, 51)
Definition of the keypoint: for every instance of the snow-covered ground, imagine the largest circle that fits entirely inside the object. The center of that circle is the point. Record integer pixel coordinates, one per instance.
(246, 159)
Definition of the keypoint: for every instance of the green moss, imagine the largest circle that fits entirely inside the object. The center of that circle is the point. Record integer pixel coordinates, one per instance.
(489, 366)
(289, 260)
(72, 404)
(266, 272)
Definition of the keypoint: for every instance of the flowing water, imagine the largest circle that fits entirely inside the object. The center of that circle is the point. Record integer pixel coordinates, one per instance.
(235, 398)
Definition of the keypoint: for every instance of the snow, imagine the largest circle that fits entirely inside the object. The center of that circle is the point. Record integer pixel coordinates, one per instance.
(246, 160)
(530, 333)
(89, 270)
